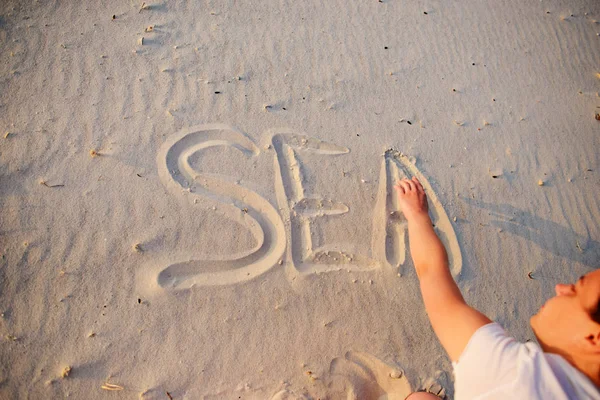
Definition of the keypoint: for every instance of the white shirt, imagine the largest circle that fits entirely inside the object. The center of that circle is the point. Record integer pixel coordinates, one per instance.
(494, 366)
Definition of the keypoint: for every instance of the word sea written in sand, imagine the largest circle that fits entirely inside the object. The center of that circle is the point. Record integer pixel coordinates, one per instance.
(285, 233)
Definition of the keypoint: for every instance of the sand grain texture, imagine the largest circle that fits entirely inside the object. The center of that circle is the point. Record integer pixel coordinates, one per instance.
(217, 218)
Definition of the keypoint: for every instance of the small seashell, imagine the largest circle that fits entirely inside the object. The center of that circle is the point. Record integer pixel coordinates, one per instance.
(111, 386)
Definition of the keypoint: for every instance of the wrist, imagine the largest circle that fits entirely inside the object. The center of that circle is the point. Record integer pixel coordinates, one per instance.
(421, 218)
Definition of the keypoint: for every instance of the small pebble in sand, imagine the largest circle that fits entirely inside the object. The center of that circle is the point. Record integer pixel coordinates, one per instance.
(6, 135)
(395, 374)
(540, 183)
(11, 338)
(495, 174)
(150, 28)
(91, 334)
(144, 7)
(137, 248)
(66, 371)
(597, 117)
(94, 153)
(114, 17)
(458, 122)
(141, 41)
(454, 219)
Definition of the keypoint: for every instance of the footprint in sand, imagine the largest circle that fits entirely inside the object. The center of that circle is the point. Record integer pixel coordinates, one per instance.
(288, 395)
(368, 378)
(258, 215)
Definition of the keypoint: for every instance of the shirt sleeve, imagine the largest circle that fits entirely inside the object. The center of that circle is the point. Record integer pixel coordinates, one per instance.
(488, 361)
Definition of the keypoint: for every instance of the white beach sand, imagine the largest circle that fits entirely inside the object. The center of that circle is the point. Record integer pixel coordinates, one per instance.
(195, 197)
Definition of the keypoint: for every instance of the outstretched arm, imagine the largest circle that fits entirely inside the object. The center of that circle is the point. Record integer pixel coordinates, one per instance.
(453, 321)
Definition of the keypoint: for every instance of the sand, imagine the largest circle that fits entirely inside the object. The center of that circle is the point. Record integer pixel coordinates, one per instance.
(196, 197)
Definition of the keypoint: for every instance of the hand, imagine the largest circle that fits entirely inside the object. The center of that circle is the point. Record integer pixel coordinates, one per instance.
(412, 198)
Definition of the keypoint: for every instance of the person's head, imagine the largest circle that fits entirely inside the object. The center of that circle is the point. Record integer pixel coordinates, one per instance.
(569, 323)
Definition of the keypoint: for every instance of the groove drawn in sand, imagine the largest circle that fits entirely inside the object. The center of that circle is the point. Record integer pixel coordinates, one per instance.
(389, 225)
(244, 205)
(299, 210)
